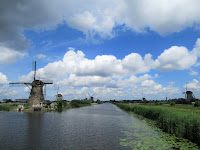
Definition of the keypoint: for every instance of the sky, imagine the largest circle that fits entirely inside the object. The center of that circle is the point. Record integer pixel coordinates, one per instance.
(114, 49)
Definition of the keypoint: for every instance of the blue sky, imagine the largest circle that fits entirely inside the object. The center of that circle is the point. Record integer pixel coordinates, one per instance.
(116, 49)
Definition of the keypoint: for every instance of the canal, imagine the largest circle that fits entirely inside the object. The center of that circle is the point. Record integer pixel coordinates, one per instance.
(99, 127)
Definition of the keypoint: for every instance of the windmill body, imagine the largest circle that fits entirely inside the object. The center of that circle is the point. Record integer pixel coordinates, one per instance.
(59, 97)
(36, 98)
(189, 95)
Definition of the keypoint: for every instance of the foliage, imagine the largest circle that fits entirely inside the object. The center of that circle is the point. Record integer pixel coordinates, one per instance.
(181, 121)
(197, 104)
(26, 106)
(158, 103)
(80, 103)
(172, 103)
(7, 107)
(62, 104)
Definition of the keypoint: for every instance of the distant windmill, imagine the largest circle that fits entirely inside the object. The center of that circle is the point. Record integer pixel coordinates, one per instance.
(188, 94)
(59, 97)
(36, 97)
(91, 97)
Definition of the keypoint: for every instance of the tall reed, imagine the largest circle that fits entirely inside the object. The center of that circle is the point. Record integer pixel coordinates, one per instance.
(181, 123)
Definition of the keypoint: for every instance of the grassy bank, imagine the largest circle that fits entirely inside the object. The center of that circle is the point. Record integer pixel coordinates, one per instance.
(183, 121)
(7, 107)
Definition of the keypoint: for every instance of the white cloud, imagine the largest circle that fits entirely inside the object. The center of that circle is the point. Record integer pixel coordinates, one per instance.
(94, 17)
(196, 49)
(193, 73)
(175, 58)
(3, 79)
(115, 77)
(9, 56)
(85, 81)
(193, 85)
(148, 83)
(103, 66)
(41, 56)
(136, 64)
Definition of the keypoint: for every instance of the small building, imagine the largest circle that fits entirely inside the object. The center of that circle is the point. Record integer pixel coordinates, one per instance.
(7, 101)
(21, 100)
(54, 105)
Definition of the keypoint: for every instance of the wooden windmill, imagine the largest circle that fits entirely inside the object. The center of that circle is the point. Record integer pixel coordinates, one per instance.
(188, 95)
(36, 97)
(59, 97)
(91, 97)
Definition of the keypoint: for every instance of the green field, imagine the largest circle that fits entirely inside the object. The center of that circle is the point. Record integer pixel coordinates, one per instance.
(183, 120)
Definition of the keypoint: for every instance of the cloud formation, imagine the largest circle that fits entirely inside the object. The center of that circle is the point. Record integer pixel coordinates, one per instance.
(3, 79)
(175, 58)
(9, 56)
(99, 17)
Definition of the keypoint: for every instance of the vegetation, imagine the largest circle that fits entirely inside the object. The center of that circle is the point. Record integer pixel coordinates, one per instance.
(7, 106)
(80, 103)
(183, 121)
(197, 104)
(59, 105)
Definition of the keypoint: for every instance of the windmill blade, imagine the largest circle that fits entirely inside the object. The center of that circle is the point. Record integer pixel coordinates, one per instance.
(48, 83)
(19, 83)
(92, 94)
(57, 89)
(35, 71)
(44, 92)
(89, 95)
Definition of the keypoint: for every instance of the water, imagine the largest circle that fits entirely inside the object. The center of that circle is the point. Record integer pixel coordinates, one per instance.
(99, 127)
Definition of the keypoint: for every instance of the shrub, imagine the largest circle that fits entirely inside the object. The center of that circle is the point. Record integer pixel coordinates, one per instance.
(172, 103)
(197, 104)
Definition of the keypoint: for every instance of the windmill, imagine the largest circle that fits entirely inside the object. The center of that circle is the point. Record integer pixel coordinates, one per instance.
(91, 97)
(188, 94)
(59, 97)
(36, 97)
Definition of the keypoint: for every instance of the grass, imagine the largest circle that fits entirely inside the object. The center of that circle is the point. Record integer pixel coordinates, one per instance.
(7, 106)
(182, 121)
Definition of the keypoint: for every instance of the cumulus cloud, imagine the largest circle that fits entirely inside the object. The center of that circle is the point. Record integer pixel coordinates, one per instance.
(193, 85)
(102, 66)
(3, 79)
(148, 83)
(175, 58)
(196, 49)
(136, 64)
(98, 17)
(85, 81)
(116, 76)
(9, 56)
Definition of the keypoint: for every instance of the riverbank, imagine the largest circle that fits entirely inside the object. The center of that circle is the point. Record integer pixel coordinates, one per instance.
(182, 121)
(57, 106)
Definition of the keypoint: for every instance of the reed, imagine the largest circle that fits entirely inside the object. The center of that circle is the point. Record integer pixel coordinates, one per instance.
(181, 121)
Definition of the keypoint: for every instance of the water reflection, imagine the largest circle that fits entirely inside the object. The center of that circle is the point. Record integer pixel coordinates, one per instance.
(35, 130)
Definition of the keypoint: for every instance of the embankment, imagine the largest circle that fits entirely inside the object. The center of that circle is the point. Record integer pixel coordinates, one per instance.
(182, 123)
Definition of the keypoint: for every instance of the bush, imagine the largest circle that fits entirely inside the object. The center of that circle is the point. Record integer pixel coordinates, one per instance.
(79, 103)
(197, 104)
(172, 103)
